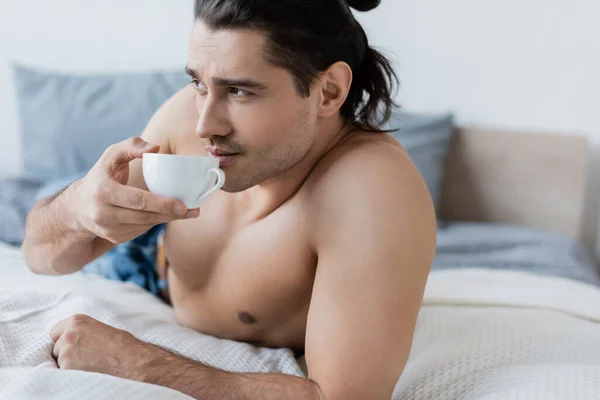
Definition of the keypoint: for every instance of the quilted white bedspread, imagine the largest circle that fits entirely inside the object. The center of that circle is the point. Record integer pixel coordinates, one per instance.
(481, 334)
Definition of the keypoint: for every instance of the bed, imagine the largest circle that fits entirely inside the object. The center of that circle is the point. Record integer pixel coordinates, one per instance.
(511, 308)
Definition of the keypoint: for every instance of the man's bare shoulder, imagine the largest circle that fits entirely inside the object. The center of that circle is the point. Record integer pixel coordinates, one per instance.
(370, 174)
(168, 127)
(366, 161)
(175, 119)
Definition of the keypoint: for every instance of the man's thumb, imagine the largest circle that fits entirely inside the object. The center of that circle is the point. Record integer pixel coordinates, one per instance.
(128, 150)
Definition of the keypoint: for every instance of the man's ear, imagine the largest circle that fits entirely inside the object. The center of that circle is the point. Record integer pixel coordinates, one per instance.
(334, 85)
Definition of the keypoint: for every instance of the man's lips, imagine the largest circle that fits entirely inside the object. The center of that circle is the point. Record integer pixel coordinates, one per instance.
(225, 158)
(221, 153)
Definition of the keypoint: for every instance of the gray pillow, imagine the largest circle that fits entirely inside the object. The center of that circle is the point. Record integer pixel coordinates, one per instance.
(426, 137)
(67, 121)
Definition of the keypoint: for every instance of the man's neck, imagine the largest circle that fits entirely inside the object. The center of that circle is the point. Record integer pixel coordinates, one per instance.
(272, 193)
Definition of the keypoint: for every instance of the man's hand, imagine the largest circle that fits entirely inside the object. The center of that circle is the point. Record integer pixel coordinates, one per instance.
(83, 343)
(109, 209)
(106, 207)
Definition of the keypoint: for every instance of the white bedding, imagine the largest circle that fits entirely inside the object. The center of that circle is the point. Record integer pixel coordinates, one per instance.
(481, 334)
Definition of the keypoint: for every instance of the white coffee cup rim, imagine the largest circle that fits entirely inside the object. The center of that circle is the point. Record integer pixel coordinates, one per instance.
(173, 155)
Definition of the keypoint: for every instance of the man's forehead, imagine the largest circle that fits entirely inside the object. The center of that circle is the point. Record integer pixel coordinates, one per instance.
(230, 51)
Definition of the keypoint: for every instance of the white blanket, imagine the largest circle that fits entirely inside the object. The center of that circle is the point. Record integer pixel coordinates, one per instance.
(480, 335)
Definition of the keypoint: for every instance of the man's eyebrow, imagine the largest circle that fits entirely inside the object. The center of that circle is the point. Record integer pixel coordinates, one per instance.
(245, 83)
(190, 72)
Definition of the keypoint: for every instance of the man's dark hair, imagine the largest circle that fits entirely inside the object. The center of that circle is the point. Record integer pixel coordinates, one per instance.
(306, 37)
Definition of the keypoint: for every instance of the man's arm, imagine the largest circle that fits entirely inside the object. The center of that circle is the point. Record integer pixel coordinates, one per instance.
(83, 343)
(55, 240)
(203, 382)
(375, 240)
(53, 236)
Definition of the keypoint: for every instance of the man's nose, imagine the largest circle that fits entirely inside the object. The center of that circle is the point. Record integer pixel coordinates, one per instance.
(212, 121)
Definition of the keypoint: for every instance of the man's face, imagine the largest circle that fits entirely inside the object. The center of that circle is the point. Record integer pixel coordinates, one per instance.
(247, 106)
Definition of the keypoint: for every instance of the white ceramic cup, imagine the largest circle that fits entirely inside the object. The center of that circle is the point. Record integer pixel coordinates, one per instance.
(190, 179)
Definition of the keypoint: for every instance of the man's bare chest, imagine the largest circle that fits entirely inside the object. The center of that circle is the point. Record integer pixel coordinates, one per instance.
(248, 282)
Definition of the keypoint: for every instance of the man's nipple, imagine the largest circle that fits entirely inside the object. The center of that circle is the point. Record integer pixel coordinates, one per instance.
(247, 318)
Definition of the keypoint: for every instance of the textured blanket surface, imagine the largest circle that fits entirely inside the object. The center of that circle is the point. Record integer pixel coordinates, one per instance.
(481, 334)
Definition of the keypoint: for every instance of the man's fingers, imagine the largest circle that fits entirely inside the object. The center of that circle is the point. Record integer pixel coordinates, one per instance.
(126, 151)
(63, 361)
(58, 345)
(58, 329)
(138, 199)
(135, 217)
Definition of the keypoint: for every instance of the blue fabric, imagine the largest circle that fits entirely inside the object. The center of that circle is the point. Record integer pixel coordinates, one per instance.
(17, 196)
(426, 138)
(67, 121)
(134, 261)
(512, 247)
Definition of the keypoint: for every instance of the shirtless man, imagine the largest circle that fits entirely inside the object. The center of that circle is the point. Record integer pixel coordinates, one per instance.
(321, 239)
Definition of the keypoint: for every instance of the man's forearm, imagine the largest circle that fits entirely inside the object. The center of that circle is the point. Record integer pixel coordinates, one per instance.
(52, 238)
(203, 382)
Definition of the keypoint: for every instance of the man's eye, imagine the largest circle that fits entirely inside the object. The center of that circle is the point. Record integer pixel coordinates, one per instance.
(238, 92)
(199, 85)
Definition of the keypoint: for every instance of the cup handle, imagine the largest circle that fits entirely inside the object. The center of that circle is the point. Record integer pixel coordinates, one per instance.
(218, 185)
